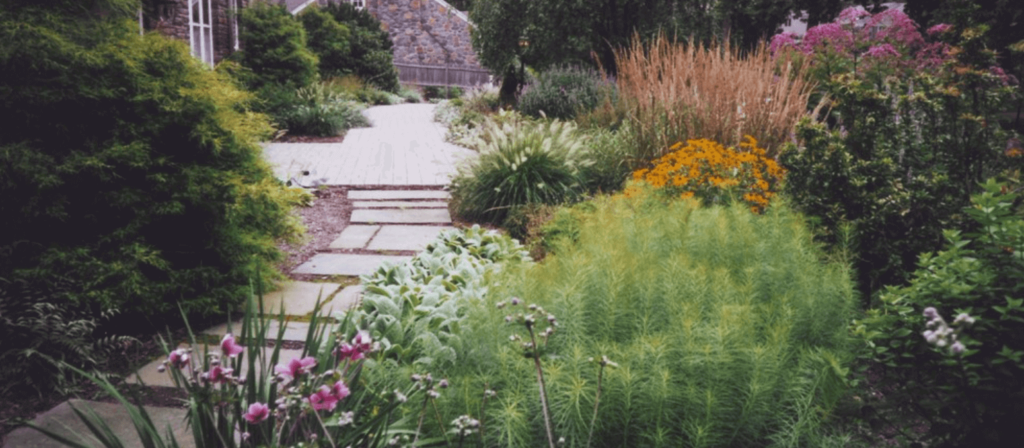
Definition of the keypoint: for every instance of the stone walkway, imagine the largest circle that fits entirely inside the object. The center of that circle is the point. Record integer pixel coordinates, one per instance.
(404, 148)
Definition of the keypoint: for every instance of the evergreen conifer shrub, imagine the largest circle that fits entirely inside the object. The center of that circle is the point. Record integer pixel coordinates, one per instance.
(370, 58)
(130, 169)
(275, 48)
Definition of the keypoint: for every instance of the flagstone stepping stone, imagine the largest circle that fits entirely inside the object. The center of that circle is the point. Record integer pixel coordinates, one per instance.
(413, 238)
(397, 216)
(299, 298)
(150, 374)
(293, 330)
(399, 204)
(62, 419)
(354, 237)
(385, 195)
(349, 297)
(346, 264)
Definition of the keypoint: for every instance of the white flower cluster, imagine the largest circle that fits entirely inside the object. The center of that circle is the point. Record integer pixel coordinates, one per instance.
(941, 334)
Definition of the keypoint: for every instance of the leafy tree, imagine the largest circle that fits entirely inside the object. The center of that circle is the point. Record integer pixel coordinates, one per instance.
(512, 34)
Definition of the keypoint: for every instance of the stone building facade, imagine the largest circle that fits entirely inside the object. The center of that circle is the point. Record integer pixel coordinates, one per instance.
(431, 39)
(210, 27)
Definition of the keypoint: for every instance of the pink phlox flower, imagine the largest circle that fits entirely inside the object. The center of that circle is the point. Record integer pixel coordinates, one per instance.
(179, 358)
(258, 412)
(229, 347)
(939, 29)
(219, 374)
(782, 40)
(323, 399)
(881, 51)
(296, 367)
(851, 15)
(340, 390)
(832, 34)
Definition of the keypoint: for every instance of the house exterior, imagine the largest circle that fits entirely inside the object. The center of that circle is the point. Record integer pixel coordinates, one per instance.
(210, 27)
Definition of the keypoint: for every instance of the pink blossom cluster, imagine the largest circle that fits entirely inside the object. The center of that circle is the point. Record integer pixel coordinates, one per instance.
(890, 38)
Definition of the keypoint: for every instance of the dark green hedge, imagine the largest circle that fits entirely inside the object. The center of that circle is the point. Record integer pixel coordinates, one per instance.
(130, 168)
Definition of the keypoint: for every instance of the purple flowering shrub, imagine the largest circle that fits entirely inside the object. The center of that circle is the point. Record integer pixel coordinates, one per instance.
(965, 378)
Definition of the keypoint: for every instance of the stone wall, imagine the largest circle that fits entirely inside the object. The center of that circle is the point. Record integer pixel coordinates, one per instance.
(426, 32)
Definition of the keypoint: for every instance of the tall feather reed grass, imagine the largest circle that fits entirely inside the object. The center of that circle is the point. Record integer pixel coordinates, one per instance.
(678, 91)
(729, 329)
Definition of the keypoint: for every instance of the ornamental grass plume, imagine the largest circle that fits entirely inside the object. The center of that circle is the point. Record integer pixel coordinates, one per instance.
(678, 92)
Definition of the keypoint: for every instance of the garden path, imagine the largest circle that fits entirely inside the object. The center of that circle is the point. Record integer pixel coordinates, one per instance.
(389, 223)
(404, 147)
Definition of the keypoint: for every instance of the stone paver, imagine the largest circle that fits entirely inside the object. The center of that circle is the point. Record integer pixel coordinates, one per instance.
(62, 419)
(405, 237)
(299, 298)
(293, 331)
(354, 237)
(152, 376)
(401, 216)
(346, 264)
(386, 195)
(404, 147)
(348, 297)
(399, 204)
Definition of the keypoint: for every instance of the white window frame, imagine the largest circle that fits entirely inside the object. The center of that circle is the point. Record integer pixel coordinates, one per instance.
(204, 27)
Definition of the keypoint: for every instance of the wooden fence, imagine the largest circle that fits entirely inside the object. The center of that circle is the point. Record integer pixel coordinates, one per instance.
(434, 75)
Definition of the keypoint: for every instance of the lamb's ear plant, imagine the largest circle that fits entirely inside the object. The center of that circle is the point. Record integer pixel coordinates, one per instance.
(321, 395)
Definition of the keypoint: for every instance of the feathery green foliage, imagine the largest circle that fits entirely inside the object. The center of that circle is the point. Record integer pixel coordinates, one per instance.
(521, 162)
(130, 169)
(728, 326)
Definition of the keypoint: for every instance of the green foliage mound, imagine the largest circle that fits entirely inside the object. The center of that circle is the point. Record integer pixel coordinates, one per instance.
(370, 57)
(321, 112)
(564, 92)
(973, 398)
(275, 48)
(130, 169)
(328, 40)
(521, 162)
(729, 329)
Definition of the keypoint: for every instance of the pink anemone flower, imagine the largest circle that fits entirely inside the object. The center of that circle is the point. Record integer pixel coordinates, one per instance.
(258, 412)
(229, 347)
(296, 367)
